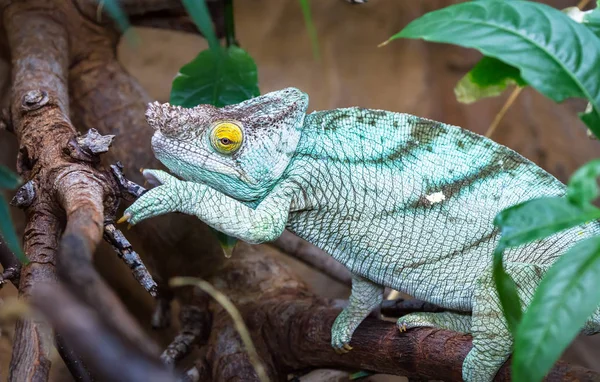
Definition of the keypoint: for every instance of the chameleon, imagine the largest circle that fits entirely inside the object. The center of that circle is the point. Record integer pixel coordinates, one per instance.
(403, 202)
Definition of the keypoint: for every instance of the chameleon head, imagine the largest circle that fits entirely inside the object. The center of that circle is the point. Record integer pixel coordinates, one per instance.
(240, 150)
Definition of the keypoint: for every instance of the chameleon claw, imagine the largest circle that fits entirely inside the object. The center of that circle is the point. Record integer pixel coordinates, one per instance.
(129, 227)
(347, 347)
(142, 170)
(123, 219)
(402, 327)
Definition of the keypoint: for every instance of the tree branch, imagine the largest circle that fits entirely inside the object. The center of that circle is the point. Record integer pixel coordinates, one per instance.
(106, 354)
(291, 330)
(65, 178)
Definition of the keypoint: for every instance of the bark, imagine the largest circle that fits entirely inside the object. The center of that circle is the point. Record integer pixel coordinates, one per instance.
(78, 323)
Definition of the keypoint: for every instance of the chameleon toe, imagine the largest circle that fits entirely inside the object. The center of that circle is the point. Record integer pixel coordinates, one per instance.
(124, 218)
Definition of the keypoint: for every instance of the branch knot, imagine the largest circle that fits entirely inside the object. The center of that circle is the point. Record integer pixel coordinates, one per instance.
(34, 99)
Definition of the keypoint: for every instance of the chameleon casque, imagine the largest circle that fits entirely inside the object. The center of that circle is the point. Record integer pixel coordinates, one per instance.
(402, 201)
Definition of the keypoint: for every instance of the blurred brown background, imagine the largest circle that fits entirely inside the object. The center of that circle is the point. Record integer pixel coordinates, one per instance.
(406, 76)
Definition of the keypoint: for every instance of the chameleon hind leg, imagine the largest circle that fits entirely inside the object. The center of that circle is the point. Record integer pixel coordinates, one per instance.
(455, 321)
(365, 297)
(492, 340)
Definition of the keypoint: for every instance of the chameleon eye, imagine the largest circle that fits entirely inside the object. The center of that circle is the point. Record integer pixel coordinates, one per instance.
(226, 137)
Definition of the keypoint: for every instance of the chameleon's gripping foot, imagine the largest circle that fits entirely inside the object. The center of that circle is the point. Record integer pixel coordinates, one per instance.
(124, 218)
(402, 327)
(343, 350)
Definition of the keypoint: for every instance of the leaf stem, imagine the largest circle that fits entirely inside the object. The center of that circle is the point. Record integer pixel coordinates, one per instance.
(511, 99)
(229, 25)
(310, 28)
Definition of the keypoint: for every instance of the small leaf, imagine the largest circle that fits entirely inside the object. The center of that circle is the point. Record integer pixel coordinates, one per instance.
(216, 79)
(8, 231)
(507, 292)
(8, 179)
(201, 16)
(566, 297)
(488, 78)
(555, 55)
(583, 185)
(539, 218)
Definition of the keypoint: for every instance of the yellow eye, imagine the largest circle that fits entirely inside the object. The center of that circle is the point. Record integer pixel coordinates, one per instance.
(226, 137)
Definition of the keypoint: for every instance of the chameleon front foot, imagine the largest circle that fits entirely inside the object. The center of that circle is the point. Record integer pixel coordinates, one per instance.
(160, 200)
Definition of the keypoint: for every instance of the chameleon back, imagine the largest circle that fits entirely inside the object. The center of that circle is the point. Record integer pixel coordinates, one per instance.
(409, 203)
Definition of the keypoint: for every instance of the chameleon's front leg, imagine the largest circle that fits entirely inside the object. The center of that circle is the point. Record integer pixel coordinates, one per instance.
(225, 214)
(365, 297)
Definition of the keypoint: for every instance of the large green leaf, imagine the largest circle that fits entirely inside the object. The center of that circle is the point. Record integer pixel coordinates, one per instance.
(539, 218)
(555, 55)
(217, 79)
(566, 297)
(488, 78)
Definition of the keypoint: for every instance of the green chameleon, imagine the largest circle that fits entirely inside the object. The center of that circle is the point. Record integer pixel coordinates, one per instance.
(404, 202)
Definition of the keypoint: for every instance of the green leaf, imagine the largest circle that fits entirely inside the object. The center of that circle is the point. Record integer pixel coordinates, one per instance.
(539, 218)
(117, 13)
(566, 297)
(8, 231)
(310, 27)
(8, 179)
(201, 16)
(583, 185)
(507, 292)
(216, 79)
(555, 55)
(488, 78)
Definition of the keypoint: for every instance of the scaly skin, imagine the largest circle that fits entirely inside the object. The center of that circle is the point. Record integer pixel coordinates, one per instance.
(402, 201)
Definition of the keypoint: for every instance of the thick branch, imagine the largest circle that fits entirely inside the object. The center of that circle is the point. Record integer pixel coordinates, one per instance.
(291, 329)
(65, 178)
(39, 72)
